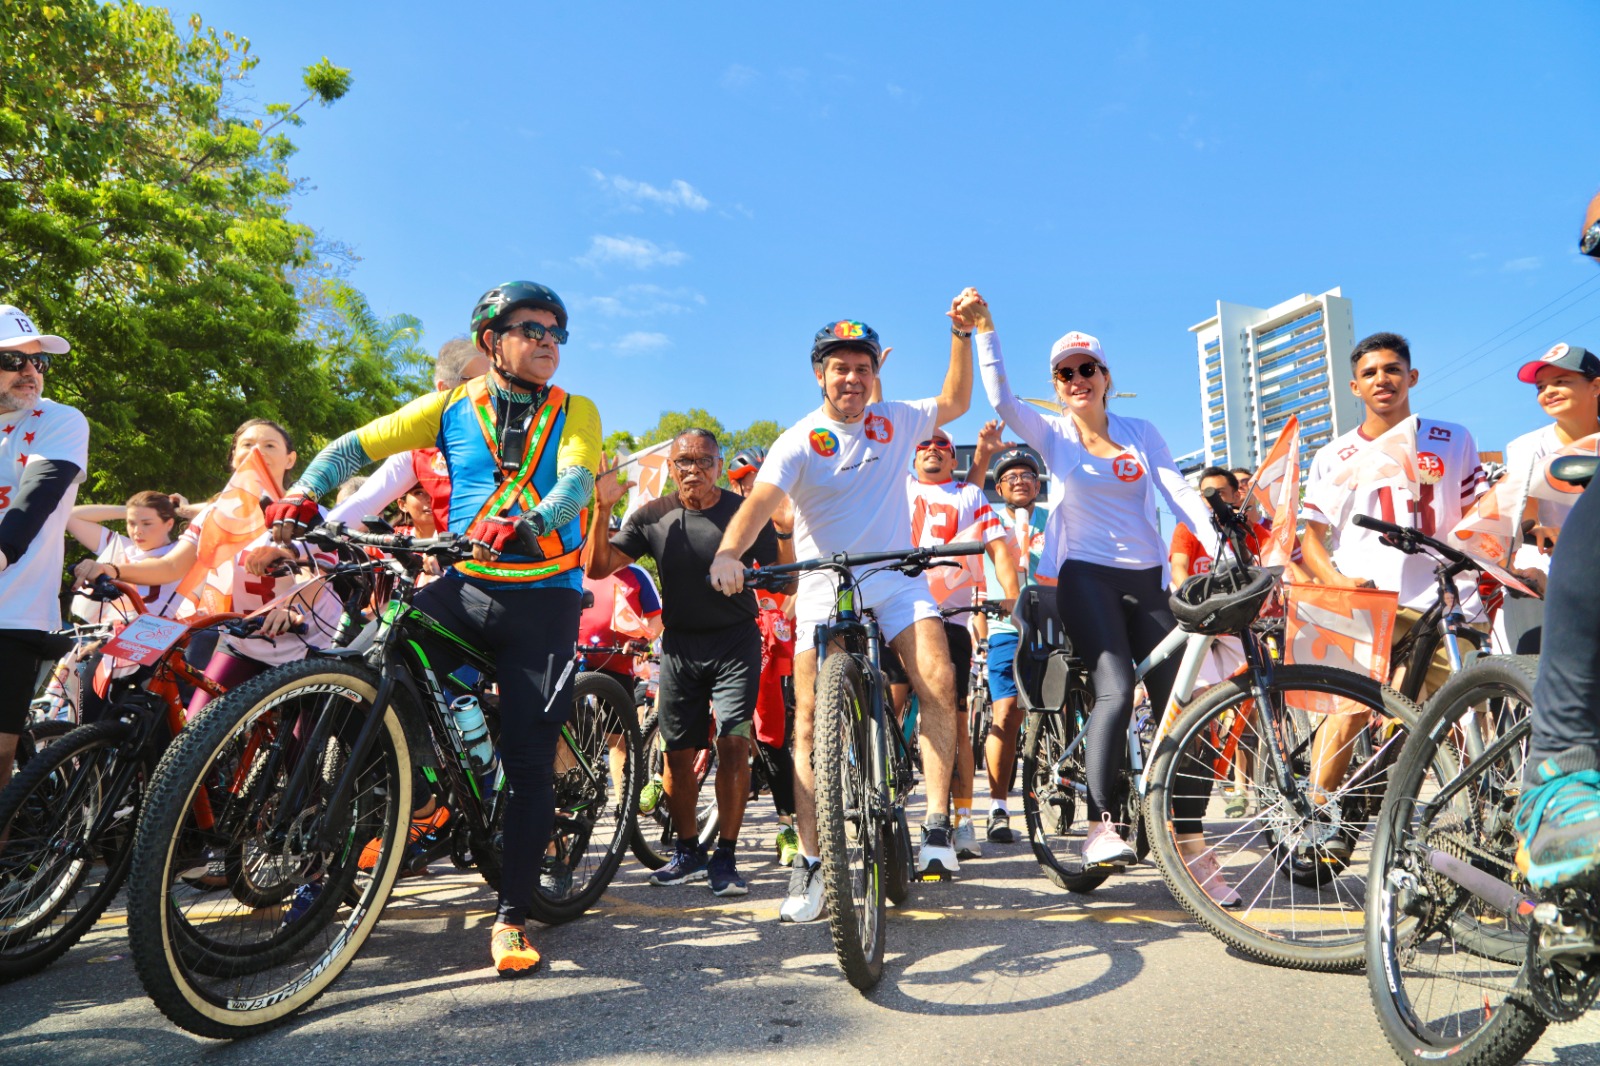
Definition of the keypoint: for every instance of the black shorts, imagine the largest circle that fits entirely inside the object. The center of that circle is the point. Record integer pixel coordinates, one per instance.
(22, 652)
(960, 642)
(705, 676)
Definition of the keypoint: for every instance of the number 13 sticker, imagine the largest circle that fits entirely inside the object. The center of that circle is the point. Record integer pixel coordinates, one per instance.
(1126, 467)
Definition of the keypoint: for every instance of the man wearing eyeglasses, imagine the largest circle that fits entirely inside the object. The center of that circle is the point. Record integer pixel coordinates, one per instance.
(44, 450)
(710, 648)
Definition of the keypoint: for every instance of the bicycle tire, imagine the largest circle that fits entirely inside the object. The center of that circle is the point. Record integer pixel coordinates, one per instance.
(653, 838)
(189, 944)
(595, 813)
(1416, 920)
(63, 880)
(1051, 804)
(1282, 920)
(849, 834)
(982, 716)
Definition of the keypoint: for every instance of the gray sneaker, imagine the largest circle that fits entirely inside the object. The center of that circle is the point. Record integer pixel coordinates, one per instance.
(1000, 828)
(966, 841)
(804, 902)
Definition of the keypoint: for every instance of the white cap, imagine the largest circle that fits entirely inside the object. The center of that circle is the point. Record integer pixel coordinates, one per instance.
(17, 329)
(1076, 343)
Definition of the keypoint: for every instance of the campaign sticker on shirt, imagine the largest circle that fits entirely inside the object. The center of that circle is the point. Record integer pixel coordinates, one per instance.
(880, 429)
(1126, 467)
(1430, 468)
(824, 443)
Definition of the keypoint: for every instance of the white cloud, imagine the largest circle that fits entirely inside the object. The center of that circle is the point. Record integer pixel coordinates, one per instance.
(637, 301)
(678, 194)
(635, 252)
(640, 342)
(1527, 262)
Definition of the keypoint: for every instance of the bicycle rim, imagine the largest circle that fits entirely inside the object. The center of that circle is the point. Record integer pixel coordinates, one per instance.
(1055, 799)
(212, 963)
(1300, 876)
(1444, 968)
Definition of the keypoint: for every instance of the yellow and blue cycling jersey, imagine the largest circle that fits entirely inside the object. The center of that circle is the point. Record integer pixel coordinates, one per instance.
(461, 423)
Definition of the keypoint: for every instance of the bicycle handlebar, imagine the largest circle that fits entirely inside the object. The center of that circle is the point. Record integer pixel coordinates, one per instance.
(444, 544)
(915, 559)
(1413, 541)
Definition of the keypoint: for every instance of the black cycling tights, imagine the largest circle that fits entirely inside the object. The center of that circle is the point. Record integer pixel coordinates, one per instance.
(1566, 701)
(531, 634)
(1114, 618)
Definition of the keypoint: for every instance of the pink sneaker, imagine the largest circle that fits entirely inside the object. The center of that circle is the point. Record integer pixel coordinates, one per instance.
(1205, 869)
(1104, 846)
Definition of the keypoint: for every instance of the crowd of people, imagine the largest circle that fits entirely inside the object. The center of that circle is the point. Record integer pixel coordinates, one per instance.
(504, 457)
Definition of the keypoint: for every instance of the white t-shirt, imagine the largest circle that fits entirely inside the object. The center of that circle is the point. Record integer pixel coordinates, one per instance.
(940, 514)
(117, 550)
(1450, 478)
(1525, 459)
(30, 587)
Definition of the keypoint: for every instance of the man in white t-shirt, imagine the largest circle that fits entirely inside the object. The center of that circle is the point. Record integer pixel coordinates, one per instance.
(944, 510)
(44, 451)
(843, 465)
(1449, 478)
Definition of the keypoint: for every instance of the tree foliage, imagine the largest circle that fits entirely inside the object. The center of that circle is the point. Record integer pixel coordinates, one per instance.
(144, 215)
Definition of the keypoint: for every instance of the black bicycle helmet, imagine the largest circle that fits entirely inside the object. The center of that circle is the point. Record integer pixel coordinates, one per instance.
(746, 460)
(1014, 457)
(846, 333)
(1222, 602)
(510, 295)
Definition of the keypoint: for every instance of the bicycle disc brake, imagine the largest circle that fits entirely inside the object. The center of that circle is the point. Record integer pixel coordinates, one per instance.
(1563, 965)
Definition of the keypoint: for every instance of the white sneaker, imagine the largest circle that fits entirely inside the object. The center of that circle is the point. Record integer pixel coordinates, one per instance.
(1103, 846)
(1205, 869)
(966, 841)
(804, 902)
(936, 859)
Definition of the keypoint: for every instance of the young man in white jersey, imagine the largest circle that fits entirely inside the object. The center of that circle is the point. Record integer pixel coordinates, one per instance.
(1449, 477)
(44, 451)
(840, 466)
(943, 511)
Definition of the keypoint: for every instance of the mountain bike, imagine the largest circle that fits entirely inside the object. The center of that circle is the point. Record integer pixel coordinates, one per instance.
(1282, 883)
(314, 766)
(70, 811)
(860, 782)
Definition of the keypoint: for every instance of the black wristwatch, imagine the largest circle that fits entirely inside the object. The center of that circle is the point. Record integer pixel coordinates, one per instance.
(1589, 243)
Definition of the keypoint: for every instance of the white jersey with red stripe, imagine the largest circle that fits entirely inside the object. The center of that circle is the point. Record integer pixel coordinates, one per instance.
(1449, 478)
(941, 513)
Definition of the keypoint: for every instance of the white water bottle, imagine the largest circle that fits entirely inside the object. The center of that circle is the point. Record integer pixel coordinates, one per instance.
(474, 731)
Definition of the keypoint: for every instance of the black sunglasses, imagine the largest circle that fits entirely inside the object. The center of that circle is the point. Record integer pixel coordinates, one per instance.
(11, 362)
(1086, 371)
(535, 332)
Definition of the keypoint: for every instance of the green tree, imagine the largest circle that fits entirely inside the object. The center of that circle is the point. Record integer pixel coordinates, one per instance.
(144, 216)
(371, 363)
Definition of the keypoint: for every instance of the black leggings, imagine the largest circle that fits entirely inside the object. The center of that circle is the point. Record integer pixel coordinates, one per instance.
(1114, 618)
(531, 634)
(1566, 701)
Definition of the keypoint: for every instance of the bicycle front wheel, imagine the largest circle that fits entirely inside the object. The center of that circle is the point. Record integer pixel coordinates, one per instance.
(850, 833)
(212, 963)
(1446, 969)
(1289, 879)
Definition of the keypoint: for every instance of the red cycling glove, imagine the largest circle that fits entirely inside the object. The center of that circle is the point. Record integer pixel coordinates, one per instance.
(494, 535)
(292, 515)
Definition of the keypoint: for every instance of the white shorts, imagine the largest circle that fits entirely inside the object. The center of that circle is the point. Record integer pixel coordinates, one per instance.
(897, 601)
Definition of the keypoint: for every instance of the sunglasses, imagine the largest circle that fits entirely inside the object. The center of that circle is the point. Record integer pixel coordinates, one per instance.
(535, 332)
(12, 362)
(1086, 371)
(935, 444)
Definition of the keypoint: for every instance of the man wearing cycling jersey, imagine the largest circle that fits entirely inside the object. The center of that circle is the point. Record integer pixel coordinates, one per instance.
(44, 450)
(943, 511)
(838, 466)
(1016, 479)
(710, 647)
(1449, 477)
(522, 453)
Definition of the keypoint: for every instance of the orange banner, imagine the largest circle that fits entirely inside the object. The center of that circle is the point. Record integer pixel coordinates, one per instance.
(1276, 488)
(624, 619)
(1350, 629)
(231, 523)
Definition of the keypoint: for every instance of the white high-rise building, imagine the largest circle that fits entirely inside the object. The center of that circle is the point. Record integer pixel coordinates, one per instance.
(1259, 365)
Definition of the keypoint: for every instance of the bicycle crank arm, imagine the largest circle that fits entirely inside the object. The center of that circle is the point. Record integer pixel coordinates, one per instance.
(1486, 886)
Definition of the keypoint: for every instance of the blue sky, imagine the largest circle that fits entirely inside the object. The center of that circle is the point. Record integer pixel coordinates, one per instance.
(707, 184)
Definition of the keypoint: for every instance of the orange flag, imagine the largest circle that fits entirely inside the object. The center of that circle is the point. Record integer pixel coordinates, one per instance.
(231, 523)
(1347, 628)
(649, 474)
(1487, 532)
(624, 619)
(1276, 487)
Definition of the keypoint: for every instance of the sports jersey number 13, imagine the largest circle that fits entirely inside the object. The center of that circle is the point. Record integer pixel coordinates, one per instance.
(944, 518)
(1413, 507)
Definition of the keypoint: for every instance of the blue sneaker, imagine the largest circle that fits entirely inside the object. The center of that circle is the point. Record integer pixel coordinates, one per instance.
(724, 875)
(304, 897)
(688, 864)
(1558, 820)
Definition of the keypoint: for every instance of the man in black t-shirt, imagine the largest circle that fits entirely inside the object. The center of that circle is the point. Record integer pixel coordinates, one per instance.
(710, 649)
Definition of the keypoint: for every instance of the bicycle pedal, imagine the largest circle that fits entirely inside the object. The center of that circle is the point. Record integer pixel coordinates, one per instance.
(936, 875)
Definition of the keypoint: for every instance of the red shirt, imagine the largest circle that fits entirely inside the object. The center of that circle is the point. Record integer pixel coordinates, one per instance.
(1184, 542)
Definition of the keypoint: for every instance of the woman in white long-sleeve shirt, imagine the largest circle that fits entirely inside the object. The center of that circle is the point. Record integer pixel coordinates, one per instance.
(1103, 542)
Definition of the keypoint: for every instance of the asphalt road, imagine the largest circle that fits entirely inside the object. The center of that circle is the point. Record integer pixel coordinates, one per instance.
(998, 967)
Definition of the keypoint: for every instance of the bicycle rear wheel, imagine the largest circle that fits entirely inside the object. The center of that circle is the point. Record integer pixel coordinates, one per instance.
(1301, 878)
(1055, 794)
(1445, 969)
(55, 878)
(651, 835)
(850, 833)
(214, 965)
